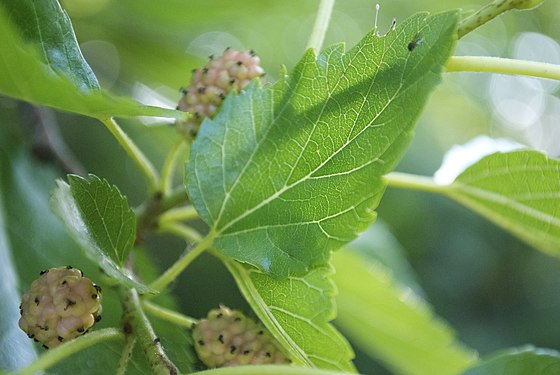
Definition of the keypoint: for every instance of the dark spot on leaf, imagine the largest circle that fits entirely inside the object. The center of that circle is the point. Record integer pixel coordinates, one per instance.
(232, 349)
(221, 338)
(98, 318)
(60, 338)
(260, 332)
(157, 340)
(201, 342)
(267, 354)
(36, 300)
(81, 329)
(237, 319)
(239, 63)
(43, 272)
(246, 352)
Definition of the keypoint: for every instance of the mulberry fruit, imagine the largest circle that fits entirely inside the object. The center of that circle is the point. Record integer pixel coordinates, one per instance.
(61, 305)
(232, 71)
(228, 338)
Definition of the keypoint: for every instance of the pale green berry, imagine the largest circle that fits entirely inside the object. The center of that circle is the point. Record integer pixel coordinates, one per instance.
(61, 305)
(228, 338)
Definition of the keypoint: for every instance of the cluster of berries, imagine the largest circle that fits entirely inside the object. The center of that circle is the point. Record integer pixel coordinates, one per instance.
(232, 71)
(228, 338)
(61, 305)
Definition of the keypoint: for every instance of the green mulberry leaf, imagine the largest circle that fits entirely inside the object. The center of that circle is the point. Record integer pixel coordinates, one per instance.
(99, 219)
(521, 361)
(41, 62)
(391, 323)
(517, 190)
(297, 312)
(286, 174)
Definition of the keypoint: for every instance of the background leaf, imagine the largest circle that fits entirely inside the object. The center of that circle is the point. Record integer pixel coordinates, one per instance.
(66, 206)
(285, 175)
(26, 75)
(46, 25)
(526, 360)
(107, 215)
(16, 350)
(297, 311)
(519, 191)
(391, 323)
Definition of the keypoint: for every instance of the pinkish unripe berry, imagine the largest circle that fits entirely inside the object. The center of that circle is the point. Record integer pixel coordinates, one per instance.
(61, 305)
(233, 71)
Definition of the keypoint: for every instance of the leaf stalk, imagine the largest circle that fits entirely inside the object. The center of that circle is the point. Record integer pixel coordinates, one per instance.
(503, 66)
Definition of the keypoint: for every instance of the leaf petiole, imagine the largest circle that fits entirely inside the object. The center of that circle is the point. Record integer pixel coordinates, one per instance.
(178, 214)
(167, 174)
(414, 182)
(55, 355)
(180, 230)
(169, 315)
(503, 66)
(125, 355)
(134, 152)
(321, 25)
(179, 266)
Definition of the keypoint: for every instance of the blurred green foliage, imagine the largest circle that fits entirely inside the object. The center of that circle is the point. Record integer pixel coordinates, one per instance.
(493, 289)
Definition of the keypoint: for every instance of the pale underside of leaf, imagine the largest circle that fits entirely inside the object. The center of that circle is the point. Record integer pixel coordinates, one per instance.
(65, 207)
(391, 323)
(284, 175)
(520, 191)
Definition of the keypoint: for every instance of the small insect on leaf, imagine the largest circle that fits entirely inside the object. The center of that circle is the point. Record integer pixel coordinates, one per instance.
(414, 43)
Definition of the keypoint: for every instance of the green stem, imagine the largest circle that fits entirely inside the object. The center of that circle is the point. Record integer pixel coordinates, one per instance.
(321, 25)
(179, 214)
(125, 355)
(170, 165)
(503, 66)
(169, 315)
(134, 152)
(491, 11)
(174, 198)
(182, 263)
(55, 355)
(180, 230)
(415, 182)
(136, 323)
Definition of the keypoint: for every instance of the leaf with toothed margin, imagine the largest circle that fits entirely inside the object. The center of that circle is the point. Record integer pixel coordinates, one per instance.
(297, 311)
(288, 173)
(99, 219)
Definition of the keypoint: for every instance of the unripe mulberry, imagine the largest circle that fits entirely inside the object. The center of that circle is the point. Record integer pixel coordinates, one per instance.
(61, 305)
(228, 338)
(234, 70)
